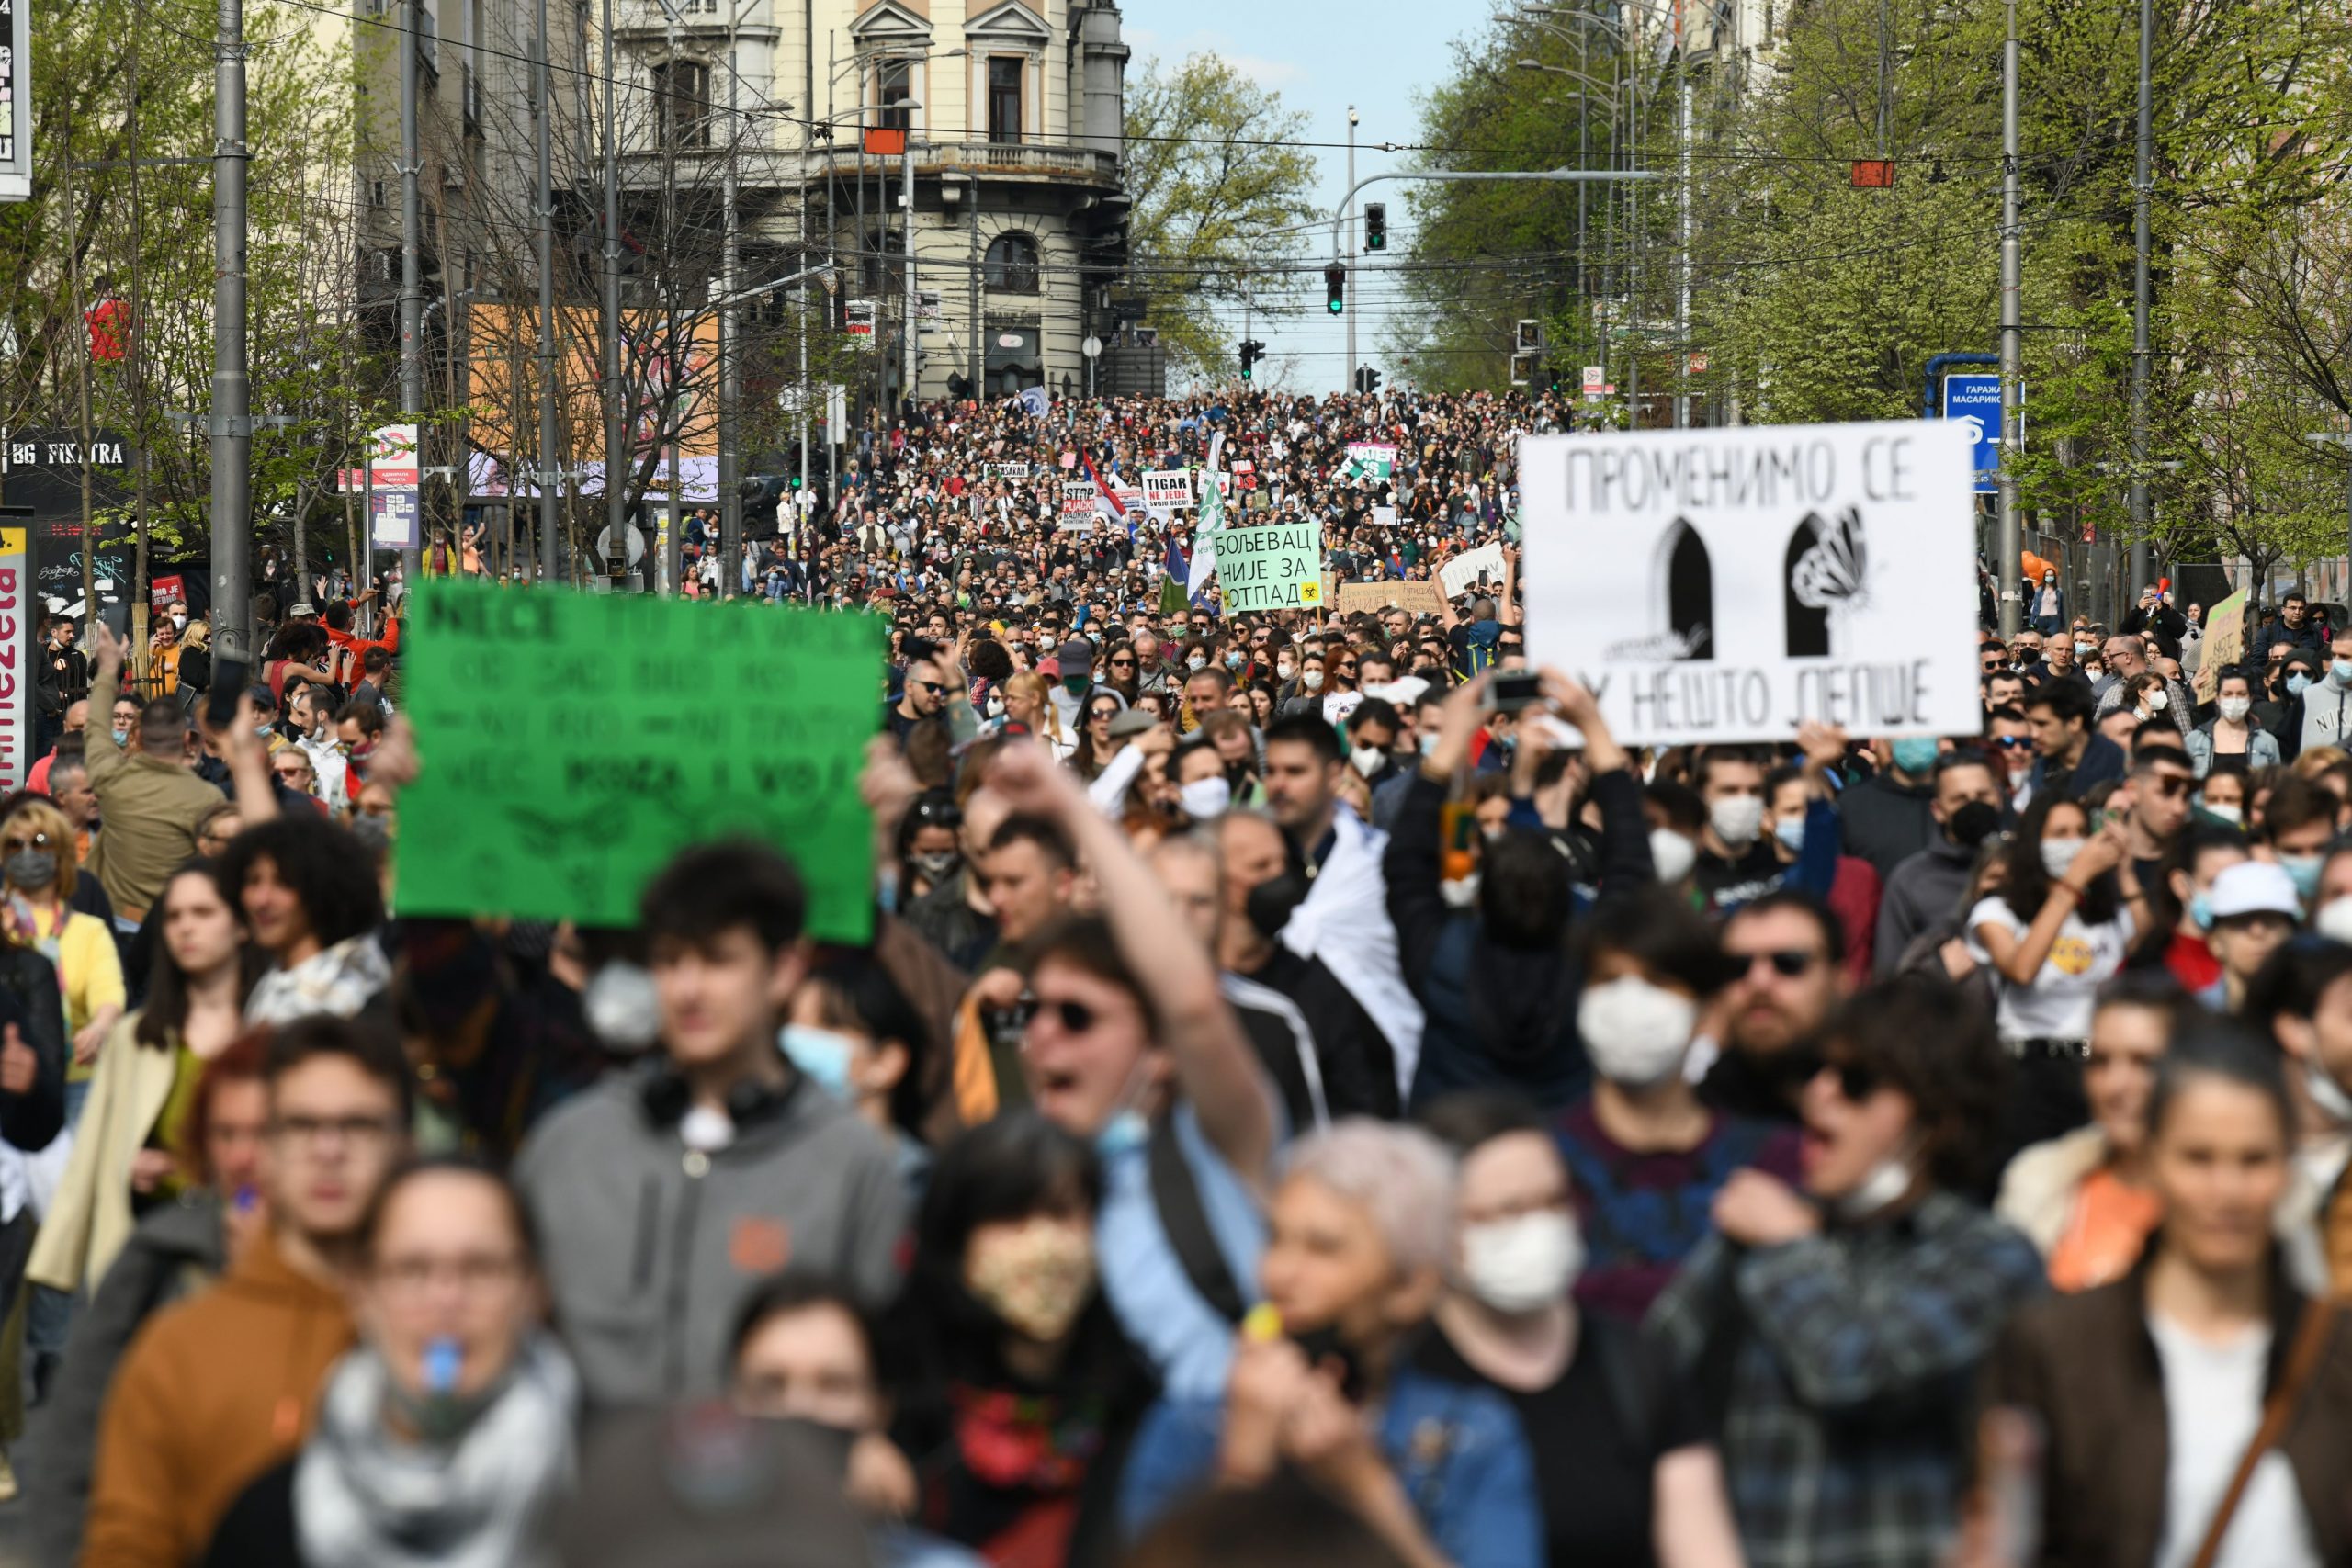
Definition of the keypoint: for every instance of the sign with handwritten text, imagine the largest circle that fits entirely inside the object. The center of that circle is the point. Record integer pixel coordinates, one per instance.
(648, 725)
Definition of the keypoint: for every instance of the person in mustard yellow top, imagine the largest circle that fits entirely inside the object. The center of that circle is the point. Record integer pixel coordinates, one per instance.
(40, 866)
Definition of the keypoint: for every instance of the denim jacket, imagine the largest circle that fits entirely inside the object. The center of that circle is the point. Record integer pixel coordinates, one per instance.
(1457, 1452)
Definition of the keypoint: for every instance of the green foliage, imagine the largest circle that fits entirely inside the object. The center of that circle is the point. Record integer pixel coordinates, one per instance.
(1211, 179)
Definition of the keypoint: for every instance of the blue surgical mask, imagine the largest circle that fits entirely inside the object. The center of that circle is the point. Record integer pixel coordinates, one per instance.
(122, 737)
(1123, 1134)
(2303, 870)
(1790, 830)
(1233, 660)
(2201, 911)
(2341, 671)
(820, 1054)
(2296, 682)
(1916, 754)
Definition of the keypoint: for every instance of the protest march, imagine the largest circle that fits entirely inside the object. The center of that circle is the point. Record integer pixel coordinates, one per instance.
(1482, 991)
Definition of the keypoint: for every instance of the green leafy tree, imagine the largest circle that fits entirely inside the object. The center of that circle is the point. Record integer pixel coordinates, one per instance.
(1212, 178)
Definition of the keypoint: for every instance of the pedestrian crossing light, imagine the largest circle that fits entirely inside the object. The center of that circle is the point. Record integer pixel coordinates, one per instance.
(1252, 351)
(1335, 289)
(1375, 225)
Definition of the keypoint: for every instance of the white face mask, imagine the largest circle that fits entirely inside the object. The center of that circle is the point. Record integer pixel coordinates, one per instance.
(2234, 709)
(1888, 1181)
(2334, 919)
(2157, 701)
(1523, 1263)
(1368, 759)
(2228, 811)
(1673, 854)
(1635, 1032)
(1204, 799)
(1312, 679)
(2058, 855)
(1285, 668)
(1738, 819)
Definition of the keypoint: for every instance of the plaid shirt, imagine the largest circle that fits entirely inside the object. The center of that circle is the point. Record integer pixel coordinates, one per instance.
(1849, 1359)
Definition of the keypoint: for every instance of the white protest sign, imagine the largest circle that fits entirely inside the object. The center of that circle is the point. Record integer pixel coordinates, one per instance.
(1461, 573)
(1165, 489)
(1274, 566)
(1384, 516)
(1078, 504)
(1724, 584)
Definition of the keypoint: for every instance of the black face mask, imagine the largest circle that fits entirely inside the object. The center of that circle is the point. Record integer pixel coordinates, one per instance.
(1973, 824)
(1270, 903)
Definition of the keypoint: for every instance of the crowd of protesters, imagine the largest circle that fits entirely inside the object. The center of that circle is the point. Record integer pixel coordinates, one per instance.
(1308, 1099)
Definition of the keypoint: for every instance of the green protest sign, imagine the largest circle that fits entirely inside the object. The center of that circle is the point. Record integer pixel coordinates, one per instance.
(1368, 460)
(571, 743)
(1275, 566)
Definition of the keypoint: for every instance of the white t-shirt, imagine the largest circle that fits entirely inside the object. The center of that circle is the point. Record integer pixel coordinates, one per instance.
(2213, 1405)
(2058, 1005)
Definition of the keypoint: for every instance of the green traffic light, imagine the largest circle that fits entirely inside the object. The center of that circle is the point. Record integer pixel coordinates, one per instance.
(1337, 306)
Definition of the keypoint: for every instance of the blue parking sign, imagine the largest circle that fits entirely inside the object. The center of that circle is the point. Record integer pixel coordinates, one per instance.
(1977, 400)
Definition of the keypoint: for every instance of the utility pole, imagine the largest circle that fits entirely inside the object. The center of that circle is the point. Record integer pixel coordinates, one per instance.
(2006, 535)
(231, 422)
(2143, 554)
(1353, 252)
(730, 464)
(615, 458)
(972, 184)
(907, 201)
(1683, 292)
(412, 37)
(550, 461)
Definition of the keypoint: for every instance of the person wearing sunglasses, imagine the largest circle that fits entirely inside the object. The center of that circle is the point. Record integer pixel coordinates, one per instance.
(1845, 1317)
(40, 869)
(1787, 962)
(1132, 1047)
(2008, 740)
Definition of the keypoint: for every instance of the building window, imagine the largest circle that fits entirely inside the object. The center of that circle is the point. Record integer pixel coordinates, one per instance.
(893, 87)
(1004, 98)
(1012, 267)
(682, 97)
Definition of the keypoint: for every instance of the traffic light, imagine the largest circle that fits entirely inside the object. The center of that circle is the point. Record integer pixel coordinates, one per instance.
(1367, 379)
(1335, 289)
(1252, 351)
(1375, 225)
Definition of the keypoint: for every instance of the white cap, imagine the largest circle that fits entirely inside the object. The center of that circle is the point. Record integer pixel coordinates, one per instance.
(2254, 887)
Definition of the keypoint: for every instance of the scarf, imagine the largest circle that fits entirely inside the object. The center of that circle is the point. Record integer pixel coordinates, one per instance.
(363, 1498)
(338, 980)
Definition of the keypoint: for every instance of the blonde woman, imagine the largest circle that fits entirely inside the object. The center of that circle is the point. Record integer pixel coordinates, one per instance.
(1028, 701)
(40, 866)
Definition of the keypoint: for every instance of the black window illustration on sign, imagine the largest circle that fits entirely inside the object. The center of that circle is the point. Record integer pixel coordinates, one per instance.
(1808, 624)
(1685, 579)
(1828, 580)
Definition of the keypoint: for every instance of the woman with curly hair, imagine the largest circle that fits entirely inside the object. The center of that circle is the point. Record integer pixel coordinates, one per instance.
(307, 889)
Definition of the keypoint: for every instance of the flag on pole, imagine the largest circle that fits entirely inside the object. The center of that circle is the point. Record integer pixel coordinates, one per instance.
(1176, 573)
(1106, 505)
(1203, 536)
(1033, 399)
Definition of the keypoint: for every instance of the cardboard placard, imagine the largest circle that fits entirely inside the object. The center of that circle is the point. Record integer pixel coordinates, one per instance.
(2224, 646)
(1420, 598)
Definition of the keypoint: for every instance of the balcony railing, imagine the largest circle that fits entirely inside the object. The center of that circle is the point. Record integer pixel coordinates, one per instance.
(1025, 160)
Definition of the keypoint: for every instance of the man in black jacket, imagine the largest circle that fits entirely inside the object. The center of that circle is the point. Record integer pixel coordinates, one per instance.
(1490, 967)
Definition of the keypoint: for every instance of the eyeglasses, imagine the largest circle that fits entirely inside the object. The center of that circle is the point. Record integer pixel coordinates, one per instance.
(934, 687)
(2013, 742)
(16, 844)
(1103, 716)
(1127, 663)
(2172, 786)
(313, 1130)
(473, 1273)
(1787, 962)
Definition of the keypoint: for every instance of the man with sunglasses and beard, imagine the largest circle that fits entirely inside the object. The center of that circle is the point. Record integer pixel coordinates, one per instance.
(1787, 955)
(2155, 801)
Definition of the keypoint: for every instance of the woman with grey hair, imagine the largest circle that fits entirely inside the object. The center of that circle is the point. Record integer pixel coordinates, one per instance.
(1361, 1229)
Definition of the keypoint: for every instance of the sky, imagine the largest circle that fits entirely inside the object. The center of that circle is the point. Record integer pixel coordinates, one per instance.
(1322, 56)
